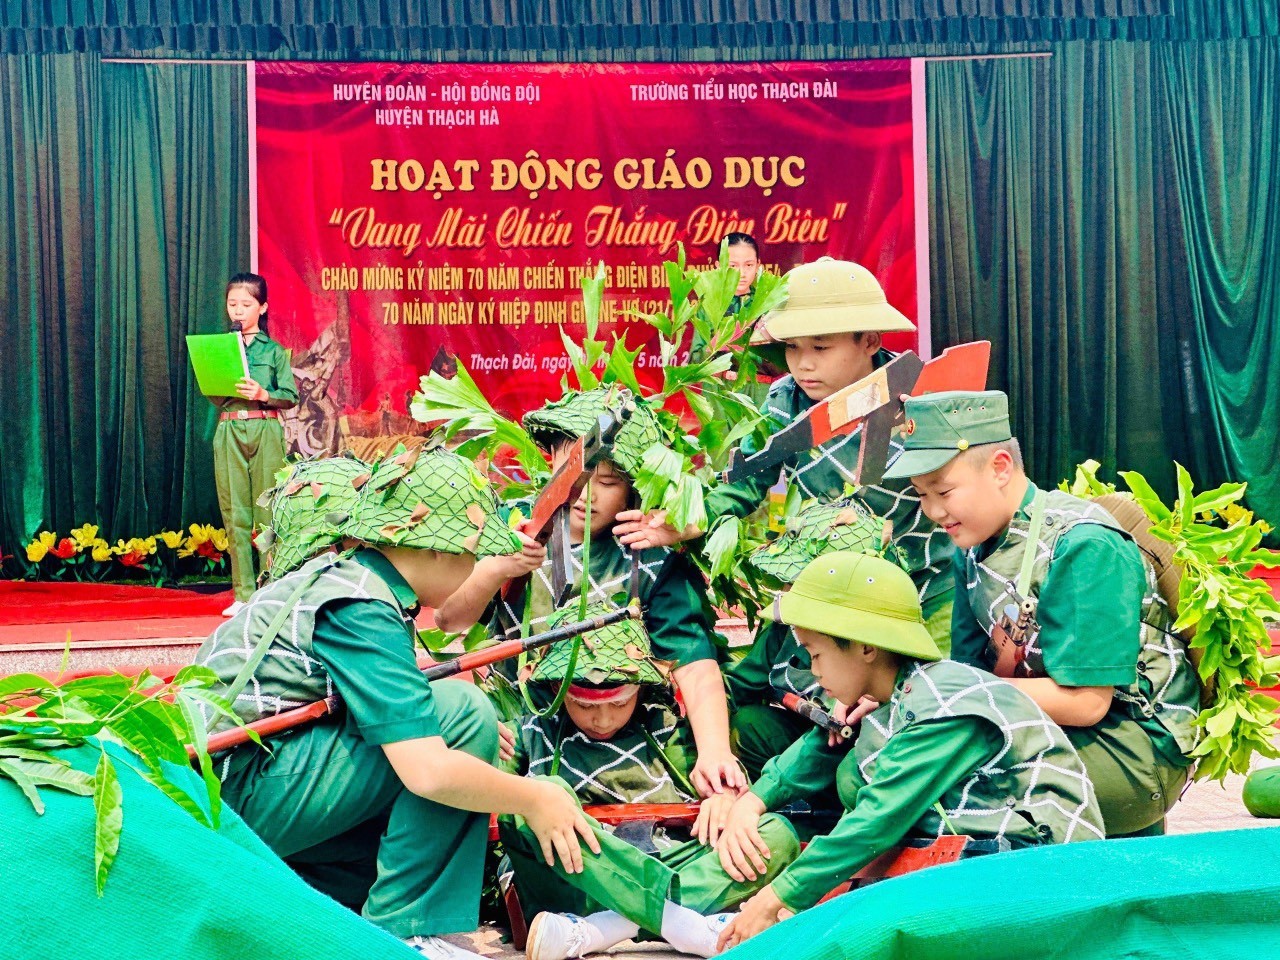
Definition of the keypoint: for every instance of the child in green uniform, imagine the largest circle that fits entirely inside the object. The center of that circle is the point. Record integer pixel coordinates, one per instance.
(830, 331)
(616, 740)
(672, 593)
(776, 664)
(950, 748)
(1052, 594)
(248, 444)
(384, 805)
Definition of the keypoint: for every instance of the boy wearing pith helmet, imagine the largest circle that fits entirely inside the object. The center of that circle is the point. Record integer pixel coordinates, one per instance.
(776, 664)
(384, 805)
(1052, 594)
(950, 748)
(829, 331)
(617, 739)
(309, 506)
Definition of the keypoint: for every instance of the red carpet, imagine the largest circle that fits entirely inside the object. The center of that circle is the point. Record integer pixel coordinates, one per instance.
(47, 603)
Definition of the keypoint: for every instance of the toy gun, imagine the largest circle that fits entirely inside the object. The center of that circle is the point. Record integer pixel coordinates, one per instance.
(816, 715)
(290, 719)
(874, 403)
(1011, 635)
(549, 522)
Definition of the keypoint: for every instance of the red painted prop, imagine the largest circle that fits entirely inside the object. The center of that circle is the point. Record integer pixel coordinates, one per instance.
(875, 400)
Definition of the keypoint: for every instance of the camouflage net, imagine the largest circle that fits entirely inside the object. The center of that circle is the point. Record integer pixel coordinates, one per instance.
(576, 413)
(823, 528)
(430, 499)
(309, 507)
(616, 654)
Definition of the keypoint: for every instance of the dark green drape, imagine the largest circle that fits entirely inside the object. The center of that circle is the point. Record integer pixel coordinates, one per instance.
(622, 30)
(122, 212)
(1108, 218)
(1106, 215)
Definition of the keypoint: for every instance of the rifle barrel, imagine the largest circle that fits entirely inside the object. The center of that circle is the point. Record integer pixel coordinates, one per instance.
(270, 726)
(816, 715)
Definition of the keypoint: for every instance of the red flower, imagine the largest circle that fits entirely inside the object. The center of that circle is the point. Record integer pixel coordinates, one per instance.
(65, 550)
(207, 549)
(134, 559)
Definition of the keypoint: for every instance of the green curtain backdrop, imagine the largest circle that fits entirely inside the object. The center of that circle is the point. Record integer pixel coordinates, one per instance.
(1108, 218)
(122, 212)
(1106, 215)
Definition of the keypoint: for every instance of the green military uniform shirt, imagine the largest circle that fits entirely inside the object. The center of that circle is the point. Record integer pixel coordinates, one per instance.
(1091, 610)
(826, 472)
(647, 761)
(951, 736)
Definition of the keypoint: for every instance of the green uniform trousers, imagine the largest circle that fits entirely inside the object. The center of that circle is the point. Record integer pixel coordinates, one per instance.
(633, 883)
(246, 456)
(329, 803)
(1135, 784)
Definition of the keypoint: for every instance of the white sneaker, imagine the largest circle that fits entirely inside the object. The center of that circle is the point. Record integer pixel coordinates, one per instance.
(699, 938)
(559, 936)
(437, 948)
(235, 608)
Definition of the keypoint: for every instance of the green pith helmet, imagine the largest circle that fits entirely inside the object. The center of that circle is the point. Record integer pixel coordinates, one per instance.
(574, 415)
(830, 296)
(822, 528)
(858, 598)
(430, 499)
(938, 427)
(308, 510)
(613, 655)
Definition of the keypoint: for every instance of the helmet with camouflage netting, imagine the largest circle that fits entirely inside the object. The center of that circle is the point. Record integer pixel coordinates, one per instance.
(576, 413)
(611, 656)
(820, 528)
(309, 507)
(430, 498)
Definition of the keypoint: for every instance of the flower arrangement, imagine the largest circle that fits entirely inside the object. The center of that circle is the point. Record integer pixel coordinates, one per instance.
(161, 557)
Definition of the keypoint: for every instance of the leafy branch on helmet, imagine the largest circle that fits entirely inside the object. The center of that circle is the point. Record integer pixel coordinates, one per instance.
(1223, 610)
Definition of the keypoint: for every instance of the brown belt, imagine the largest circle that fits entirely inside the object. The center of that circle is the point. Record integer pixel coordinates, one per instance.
(249, 415)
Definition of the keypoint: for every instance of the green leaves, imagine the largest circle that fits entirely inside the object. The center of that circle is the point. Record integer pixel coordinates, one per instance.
(160, 724)
(1215, 545)
(108, 804)
(459, 402)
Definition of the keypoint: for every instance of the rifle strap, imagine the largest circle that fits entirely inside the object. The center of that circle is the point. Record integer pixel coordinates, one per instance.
(1029, 548)
(273, 630)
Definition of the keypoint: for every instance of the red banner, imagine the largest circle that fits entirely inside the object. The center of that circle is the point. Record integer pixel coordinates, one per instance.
(405, 208)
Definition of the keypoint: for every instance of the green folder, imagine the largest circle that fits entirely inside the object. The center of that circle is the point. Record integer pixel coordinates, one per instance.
(219, 362)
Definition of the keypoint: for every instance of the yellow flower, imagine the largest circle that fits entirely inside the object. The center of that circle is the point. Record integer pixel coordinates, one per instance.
(149, 545)
(38, 548)
(219, 538)
(101, 551)
(172, 538)
(85, 536)
(120, 548)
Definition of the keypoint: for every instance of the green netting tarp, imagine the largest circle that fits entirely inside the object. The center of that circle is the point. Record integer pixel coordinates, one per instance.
(178, 889)
(1195, 897)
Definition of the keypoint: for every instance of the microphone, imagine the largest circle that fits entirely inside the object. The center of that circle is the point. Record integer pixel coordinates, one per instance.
(236, 326)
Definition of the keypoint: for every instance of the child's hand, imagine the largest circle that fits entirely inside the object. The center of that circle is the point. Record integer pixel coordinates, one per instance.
(712, 816)
(850, 716)
(755, 916)
(250, 389)
(641, 531)
(714, 774)
(742, 850)
(558, 823)
(506, 743)
(531, 556)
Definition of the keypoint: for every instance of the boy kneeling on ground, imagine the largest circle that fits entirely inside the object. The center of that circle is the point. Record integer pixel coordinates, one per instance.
(949, 749)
